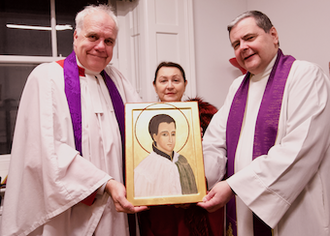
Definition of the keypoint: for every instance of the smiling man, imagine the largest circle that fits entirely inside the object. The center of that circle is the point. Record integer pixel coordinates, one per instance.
(66, 171)
(254, 47)
(271, 139)
(94, 40)
(164, 172)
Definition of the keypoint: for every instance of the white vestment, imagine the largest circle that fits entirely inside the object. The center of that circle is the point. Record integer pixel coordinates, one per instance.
(48, 178)
(157, 176)
(289, 187)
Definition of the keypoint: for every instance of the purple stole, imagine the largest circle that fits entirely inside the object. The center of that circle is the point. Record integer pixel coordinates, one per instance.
(265, 131)
(73, 94)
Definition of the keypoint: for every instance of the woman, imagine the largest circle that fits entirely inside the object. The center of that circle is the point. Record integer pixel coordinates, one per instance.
(170, 84)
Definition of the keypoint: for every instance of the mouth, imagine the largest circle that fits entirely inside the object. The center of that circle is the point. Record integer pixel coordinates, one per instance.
(249, 56)
(98, 56)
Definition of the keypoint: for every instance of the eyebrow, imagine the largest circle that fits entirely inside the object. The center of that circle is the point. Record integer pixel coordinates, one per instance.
(249, 35)
(97, 34)
(90, 33)
(167, 76)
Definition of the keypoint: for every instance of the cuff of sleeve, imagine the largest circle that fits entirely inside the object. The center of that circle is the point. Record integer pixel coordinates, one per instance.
(100, 190)
(91, 198)
(264, 202)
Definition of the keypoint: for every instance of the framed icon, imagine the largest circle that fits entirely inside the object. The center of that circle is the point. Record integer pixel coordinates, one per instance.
(164, 159)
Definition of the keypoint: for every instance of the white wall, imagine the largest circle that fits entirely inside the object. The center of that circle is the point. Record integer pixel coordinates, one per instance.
(303, 27)
(214, 73)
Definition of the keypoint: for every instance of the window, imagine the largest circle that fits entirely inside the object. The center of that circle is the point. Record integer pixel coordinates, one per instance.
(30, 35)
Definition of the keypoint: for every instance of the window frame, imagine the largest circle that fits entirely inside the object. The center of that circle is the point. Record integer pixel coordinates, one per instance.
(17, 59)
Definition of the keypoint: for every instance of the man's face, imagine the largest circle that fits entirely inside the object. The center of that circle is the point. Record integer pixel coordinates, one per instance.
(254, 48)
(94, 44)
(165, 138)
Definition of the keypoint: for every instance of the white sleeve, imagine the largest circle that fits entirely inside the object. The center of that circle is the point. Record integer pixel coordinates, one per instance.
(45, 168)
(214, 140)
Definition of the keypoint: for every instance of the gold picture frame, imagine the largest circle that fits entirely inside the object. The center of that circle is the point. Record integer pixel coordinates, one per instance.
(152, 176)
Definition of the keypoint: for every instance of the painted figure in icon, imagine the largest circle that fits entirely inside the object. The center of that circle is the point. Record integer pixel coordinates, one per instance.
(163, 172)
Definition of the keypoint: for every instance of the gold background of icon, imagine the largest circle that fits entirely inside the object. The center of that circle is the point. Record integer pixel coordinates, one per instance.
(188, 144)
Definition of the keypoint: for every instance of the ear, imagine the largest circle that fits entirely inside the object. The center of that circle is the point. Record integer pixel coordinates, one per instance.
(274, 34)
(153, 137)
(75, 37)
(185, 84)
(155, 87)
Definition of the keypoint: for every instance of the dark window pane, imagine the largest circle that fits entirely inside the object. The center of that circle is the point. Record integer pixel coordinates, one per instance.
(65, 15)
(12, 81)
(25, 41)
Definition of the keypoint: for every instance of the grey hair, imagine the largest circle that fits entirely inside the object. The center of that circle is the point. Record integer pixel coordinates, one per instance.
(261, 19)
(80, 17)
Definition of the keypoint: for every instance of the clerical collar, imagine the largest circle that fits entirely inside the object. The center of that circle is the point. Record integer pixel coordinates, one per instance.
(163, 154)
(87, 71)
(266, 72)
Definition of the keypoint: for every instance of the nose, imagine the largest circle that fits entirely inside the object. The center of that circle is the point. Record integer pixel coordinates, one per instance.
(243, 45)
(100, 45)
(169, 84)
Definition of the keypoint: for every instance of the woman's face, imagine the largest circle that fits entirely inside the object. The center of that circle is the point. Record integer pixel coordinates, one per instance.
(169, 84)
